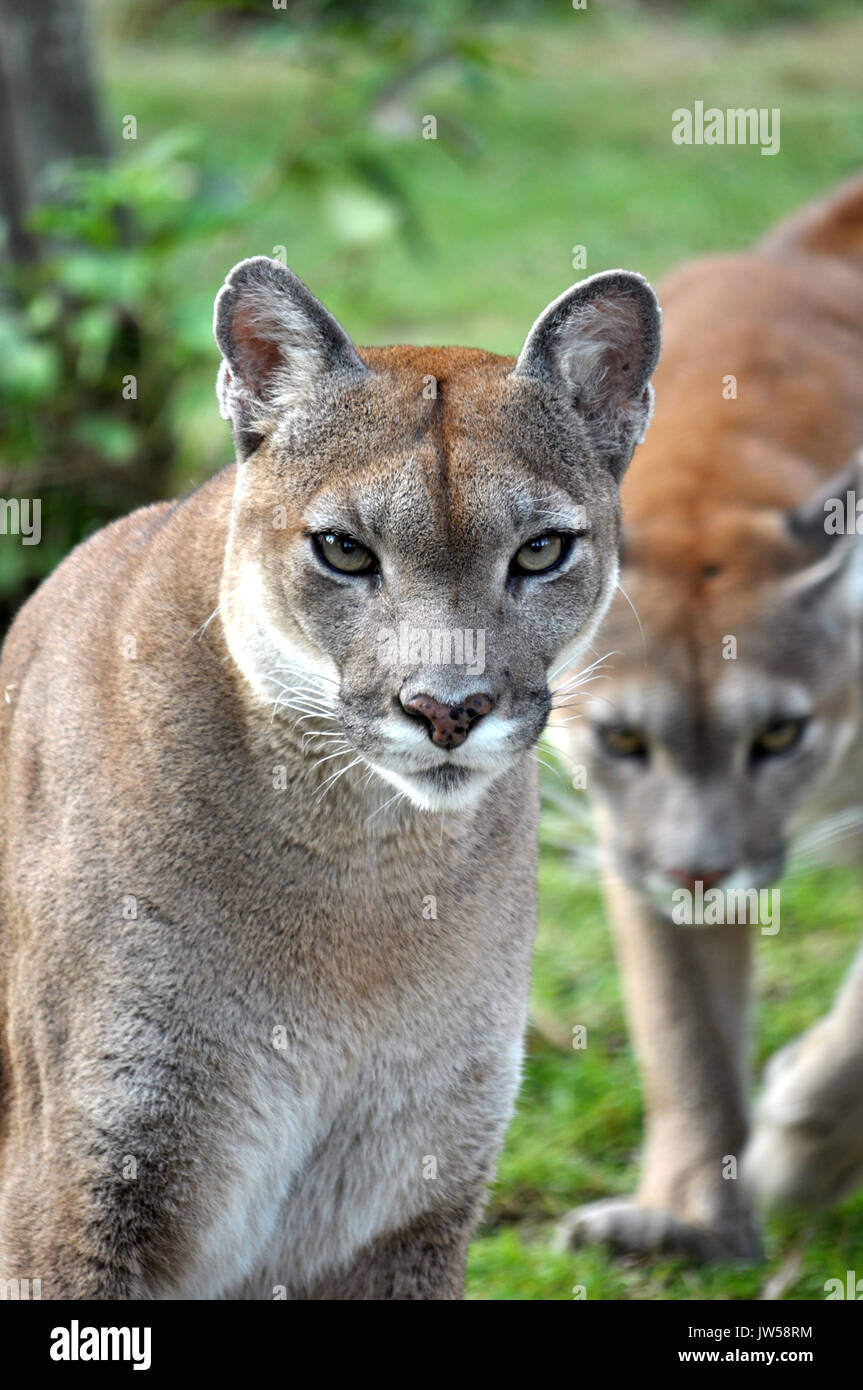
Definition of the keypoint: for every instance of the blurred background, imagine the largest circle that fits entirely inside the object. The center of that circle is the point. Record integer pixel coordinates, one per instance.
(436, 173)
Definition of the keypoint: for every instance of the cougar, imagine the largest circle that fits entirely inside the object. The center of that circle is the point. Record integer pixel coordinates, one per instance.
(268, 830)
(729, 723)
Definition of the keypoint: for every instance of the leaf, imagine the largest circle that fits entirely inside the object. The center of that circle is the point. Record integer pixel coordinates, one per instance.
(112, 438)
(360, 217)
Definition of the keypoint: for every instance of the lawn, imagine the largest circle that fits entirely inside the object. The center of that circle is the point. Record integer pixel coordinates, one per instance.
(559, 137)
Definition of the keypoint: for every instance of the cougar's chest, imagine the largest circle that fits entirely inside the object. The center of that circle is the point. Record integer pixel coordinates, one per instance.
(352, 1129)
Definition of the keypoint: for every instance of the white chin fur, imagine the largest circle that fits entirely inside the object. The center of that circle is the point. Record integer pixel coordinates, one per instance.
(429, 797)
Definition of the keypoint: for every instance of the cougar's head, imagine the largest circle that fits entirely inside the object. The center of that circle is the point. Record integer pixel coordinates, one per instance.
(418, 534)
(732, 699)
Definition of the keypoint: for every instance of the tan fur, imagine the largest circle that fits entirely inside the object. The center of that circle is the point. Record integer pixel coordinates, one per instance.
(716, 545)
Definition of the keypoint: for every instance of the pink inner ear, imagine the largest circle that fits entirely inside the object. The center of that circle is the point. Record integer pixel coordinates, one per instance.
(257, 356)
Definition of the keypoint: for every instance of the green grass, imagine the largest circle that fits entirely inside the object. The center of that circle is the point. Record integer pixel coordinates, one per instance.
(566, 142)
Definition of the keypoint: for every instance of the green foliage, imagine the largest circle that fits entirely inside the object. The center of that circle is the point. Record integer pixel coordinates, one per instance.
(97, 309)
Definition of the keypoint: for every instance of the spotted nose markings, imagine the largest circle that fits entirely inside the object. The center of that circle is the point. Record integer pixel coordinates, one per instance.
(449, 725)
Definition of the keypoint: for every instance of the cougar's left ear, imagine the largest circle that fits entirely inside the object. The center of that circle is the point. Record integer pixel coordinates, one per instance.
(597, 346)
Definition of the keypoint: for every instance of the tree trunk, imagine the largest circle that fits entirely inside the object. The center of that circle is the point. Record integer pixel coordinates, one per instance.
(49, 109)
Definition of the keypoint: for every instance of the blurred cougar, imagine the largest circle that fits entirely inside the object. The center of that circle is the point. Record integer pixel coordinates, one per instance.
(732, 723)
(268, 873)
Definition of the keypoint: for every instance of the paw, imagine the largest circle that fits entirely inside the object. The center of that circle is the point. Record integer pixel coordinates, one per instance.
(806, 1156)
(806, 1147)
(632, 1229)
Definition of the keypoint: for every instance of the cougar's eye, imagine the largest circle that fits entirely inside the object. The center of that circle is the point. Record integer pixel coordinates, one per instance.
(621, 741)
(344, 554)
(542, 553)
(779, 737)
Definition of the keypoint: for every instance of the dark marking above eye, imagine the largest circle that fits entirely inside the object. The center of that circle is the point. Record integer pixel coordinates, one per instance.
(711, 571)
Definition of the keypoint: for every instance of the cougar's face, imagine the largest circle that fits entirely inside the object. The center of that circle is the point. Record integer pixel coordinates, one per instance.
(418, 535)
(419, 598)
(701, 751)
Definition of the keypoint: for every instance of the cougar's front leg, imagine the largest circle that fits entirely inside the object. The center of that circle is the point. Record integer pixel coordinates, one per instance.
(92, 1218)
(103, 1167)
(424, 1261)
(806, 1147)
(687, 994)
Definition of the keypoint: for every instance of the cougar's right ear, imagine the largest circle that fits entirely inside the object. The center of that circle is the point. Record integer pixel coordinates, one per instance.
(279, 346)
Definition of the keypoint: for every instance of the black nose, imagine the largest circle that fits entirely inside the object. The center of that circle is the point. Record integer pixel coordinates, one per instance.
(449, 725)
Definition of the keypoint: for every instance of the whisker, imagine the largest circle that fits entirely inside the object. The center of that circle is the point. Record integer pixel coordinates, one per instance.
(572, 687)
(303, 702)
(594, 671)
(308, 696)
(550, 766)
(399, 795)
(576, 689)
(306, 674)
(574, 704)
(199, 632)
(592, 667)
(334, 777)
(637, 619)
(339, 753)
(302, 716)
(320, 733)
(810, 843)
(308, 688)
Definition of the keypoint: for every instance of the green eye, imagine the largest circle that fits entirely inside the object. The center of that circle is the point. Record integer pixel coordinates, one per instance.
(779, 737)
(541, 553)
(344, 554)
(623, 742)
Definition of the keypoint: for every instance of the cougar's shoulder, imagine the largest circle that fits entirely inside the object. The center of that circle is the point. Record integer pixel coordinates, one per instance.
(167, 555)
